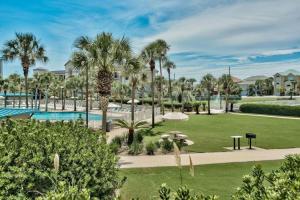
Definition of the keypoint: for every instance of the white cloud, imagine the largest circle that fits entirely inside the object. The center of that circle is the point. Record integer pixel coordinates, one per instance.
(246, 27)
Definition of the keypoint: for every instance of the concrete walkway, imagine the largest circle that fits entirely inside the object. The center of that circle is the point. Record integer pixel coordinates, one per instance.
(206, 158)
(270, 116)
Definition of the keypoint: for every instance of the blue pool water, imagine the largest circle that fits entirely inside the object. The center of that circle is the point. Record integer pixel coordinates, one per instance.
(10, 112)
(65, 116)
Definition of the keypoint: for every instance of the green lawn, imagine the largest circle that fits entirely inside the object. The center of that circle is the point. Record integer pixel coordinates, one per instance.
(218, 179)
(212, 133)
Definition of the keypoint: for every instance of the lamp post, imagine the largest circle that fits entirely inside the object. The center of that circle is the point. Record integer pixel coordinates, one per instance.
(152, 68)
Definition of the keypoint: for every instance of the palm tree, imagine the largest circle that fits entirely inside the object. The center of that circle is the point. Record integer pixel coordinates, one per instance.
(14, 80)
(143, 81)
(170, 65)
(226, 83)
(5, 88)
(26, 48)
(54, 89)
(133, 69)
(45, 82)
(108, 53)
(161, 49)
(131, 127)
(81, 62)
(148, 55)
(208, 82)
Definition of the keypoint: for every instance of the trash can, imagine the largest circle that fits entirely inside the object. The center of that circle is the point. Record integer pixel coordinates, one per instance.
(108, 125)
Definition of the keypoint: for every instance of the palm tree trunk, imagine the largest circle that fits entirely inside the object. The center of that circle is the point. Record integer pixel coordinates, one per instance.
(74, 94)
(5, 99)
(132, 102)
(40, 97)
(25, 70)
(35, 97)
(54, 101)
(86, 96)
(91, 101)
(170, 90)
(208, 103)
(104, 103)
(14, 98)
(46, 99)
(160, 85)
(20, 97)
(152, 91)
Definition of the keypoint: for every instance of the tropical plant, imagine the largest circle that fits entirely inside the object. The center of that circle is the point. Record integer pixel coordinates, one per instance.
(131, 127)
(283, 183)
(26, 48)
(107, 53)
(150, 148)
(208, 83)
(133, 69)
(81, 60)
(149, 54)
(170, 65)
(160, 48)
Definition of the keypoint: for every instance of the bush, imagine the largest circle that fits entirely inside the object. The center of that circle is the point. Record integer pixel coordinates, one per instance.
(283, 183)
(196, 106)
(27, 152)
(175, 104)
(150, 148)
(204, 106)
(139, 137)
(271, 109)
(136, 147)
(167, 146)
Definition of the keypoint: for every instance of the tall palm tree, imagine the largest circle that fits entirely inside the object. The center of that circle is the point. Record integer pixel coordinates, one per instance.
(45, 82)
(14, 81)
(143, 81)
(161, 49)
(81, 61)
(170, 65)
(226, 84)
(5, 89)
(26, 48)
(107, 53)
(208, 82)
(133, 69)
(148, 55)
(54, 89)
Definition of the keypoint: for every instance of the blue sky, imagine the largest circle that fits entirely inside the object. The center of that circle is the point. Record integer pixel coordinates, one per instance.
(257, 37)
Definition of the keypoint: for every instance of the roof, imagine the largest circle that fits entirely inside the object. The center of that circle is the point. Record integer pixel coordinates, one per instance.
(40, 69)
(58, 71)
(290, 71)
(235, 79)
(255, 78)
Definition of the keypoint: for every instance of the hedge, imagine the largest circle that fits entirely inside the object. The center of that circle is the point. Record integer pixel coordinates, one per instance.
(271, 109)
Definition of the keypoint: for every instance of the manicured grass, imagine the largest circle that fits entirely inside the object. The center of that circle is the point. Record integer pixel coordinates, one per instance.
(218, 179)
(212, 133)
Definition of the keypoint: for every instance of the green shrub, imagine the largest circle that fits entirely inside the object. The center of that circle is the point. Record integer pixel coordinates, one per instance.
(139, 137)
(204, 106)
(136, 147)
(271, 109)
(28, 149)
(196, 106)
(175, 104)
(150, 148)
(118, 140)
(167, 146)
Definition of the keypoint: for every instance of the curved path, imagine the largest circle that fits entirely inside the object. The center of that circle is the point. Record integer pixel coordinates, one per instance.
(206, 158)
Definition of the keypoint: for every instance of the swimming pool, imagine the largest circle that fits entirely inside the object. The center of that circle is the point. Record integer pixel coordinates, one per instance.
(65, 116)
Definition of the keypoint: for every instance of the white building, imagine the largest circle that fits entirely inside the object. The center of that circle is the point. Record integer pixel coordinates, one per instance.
(244, 84)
